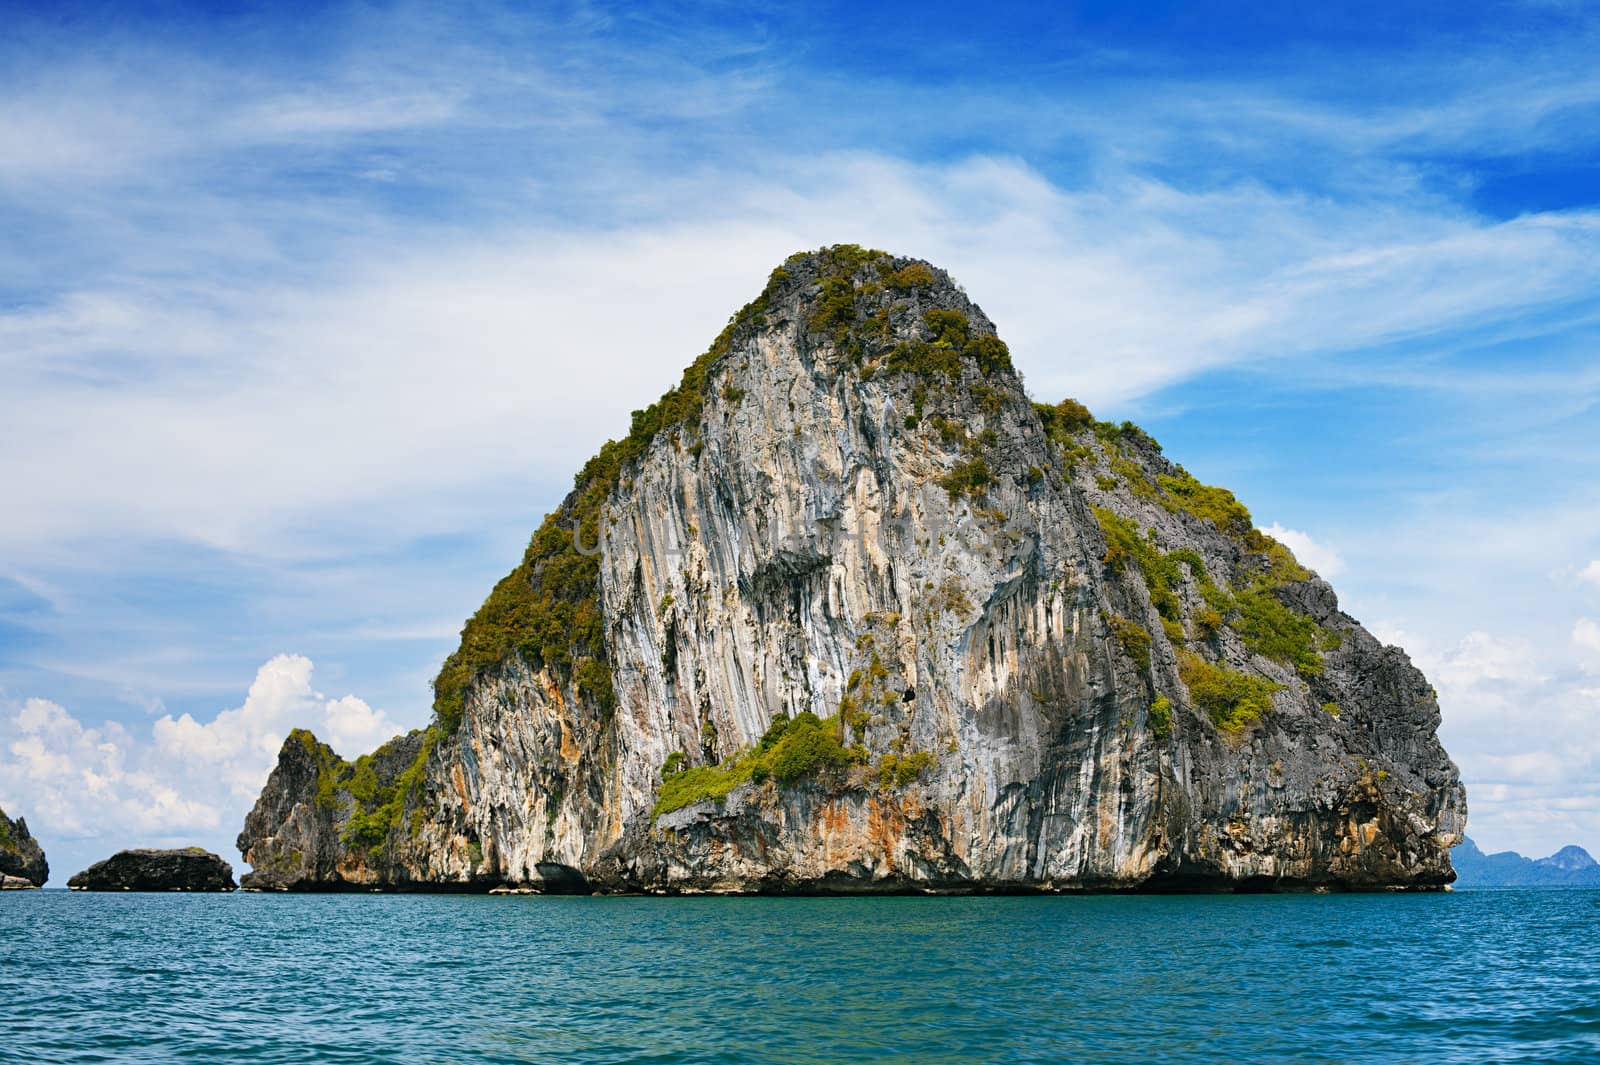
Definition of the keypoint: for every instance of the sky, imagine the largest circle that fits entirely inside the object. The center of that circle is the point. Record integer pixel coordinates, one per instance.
(308, 315)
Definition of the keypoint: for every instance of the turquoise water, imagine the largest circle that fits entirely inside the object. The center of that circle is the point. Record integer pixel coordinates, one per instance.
(1468, 977)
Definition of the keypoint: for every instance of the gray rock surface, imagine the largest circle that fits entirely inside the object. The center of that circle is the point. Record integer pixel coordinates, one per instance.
(187, 869)
(20, 854)
(294, 831)
(866, 511)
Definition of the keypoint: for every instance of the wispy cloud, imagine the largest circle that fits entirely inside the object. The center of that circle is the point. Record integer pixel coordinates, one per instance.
(406, 368)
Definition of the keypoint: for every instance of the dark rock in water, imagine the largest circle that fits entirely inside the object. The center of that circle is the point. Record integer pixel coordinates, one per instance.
(188, 869)
(20, 855)
(846, 611)
(1567, 867)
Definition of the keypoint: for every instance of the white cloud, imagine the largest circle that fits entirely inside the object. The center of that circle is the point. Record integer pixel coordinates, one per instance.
(1470, 593)
(240, 745)
(188, 780)
(1388, 631)
(1520, 726)
(1591, 572)
(1481, 658)
(1586, 634)
(297, 117)
(1104, 295)
(77, 781)
(331, 349)
(1319, 556)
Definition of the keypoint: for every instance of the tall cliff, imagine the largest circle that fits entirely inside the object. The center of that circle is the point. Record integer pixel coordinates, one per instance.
(846, 611)
(20, 854)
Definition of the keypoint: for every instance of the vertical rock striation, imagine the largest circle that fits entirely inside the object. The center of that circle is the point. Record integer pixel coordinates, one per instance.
(847, 611)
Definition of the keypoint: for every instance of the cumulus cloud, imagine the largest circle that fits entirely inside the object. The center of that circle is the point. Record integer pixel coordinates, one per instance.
(1590, 574)
(186, 778)
(1319, 556)
(1519, 724)
(239, 745)
(76, 780)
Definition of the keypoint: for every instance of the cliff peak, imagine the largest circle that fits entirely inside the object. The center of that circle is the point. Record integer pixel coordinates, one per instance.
(1570, 858)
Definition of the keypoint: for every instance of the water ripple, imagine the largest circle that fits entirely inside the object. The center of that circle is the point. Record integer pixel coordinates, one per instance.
(436, 980)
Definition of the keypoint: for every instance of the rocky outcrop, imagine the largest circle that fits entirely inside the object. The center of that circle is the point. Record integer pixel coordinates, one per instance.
(188, 869)
(21, 857)
(846, 611)
(306, 831)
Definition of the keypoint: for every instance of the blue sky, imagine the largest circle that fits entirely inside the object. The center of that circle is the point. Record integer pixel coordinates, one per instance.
(306, 318)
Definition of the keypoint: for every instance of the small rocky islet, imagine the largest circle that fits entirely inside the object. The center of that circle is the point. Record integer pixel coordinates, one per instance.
(184, 869)
(22, 860)
(847, 611)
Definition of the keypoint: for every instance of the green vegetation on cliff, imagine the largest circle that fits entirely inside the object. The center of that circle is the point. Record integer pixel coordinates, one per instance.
(548, 608)
(791, 749)
(1161, 717)
(968, 477)
(331, 769)
(1124, 544)
(376, 802)
(1251, 605)
(1231, 699)
(1134, 638)
(1270, 628)
(951, 344)
(1207, 502)
(908, 278)
(379, 804)
(1215, 598)
(899, 770)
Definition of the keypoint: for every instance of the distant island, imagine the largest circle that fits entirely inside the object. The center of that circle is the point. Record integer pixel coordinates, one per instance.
(1567, 867)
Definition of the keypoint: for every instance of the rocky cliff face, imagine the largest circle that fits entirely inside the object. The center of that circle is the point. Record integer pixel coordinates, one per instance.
(20, 855)
(846, 611)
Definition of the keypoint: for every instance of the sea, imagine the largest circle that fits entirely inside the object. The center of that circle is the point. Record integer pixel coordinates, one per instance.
(1471, 976)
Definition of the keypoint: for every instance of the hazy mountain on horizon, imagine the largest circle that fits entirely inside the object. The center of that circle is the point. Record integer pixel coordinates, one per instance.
(1571, 866)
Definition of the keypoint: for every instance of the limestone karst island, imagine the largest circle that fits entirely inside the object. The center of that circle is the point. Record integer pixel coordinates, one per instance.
(847, 611)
